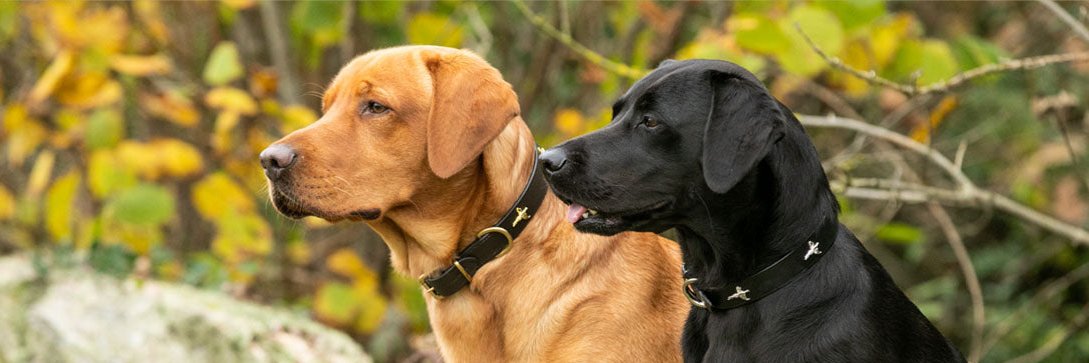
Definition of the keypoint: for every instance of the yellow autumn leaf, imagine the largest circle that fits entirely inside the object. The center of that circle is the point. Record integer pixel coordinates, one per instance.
(239, 4)
(297, 117)
(231, 99)
(218, 194)
(372, 307)
(886, 37)
(7, 204)
(346, 263)
(242, 237)
(177, 158)
(58, 207)
(24, 134)
(569, 121)
(139, 158)
(147, 11)
(40, 173)
(52, 76)
(106, 176)
(171, 106)
(142, 65)
(89, 90)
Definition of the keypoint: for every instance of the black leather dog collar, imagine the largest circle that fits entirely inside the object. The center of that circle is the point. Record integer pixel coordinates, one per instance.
(769, 279)
(491, 242)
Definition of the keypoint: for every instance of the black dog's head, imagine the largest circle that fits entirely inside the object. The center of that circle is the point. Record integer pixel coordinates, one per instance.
(689, 127)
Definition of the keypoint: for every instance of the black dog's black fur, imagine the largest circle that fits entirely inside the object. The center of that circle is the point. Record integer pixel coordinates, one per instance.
(702, 147)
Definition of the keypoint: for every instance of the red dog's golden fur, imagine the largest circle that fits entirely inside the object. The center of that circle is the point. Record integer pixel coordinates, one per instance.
(447, 158)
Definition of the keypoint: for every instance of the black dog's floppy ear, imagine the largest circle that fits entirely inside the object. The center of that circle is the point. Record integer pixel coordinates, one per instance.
(666, 62)
(739, 128)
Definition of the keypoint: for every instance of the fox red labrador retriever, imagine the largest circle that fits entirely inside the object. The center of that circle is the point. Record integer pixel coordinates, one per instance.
(425, 144)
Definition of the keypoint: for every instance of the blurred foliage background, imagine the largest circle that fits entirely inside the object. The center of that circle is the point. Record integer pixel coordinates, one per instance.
(131, 132)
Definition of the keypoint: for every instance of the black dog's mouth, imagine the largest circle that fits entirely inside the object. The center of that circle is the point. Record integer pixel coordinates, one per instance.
(609, 222)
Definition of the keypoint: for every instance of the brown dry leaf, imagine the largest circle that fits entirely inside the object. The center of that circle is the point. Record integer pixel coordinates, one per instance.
(264, 82)
(1066, 201)
(921, 133)
(171, 106)
(142, 65)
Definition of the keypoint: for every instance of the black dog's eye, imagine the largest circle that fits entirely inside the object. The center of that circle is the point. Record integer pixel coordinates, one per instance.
(373, 107)
(649, 121)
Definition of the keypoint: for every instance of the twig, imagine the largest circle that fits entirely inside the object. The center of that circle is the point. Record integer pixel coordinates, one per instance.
(970, 279)
(953, 82)
(966, 193)
(1076, 26)
(590, 56)
(270, 21)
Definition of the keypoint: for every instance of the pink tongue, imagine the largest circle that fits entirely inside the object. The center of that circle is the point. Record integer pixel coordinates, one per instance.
(574, 212)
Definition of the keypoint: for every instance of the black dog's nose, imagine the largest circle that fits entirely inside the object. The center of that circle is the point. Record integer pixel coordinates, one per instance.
(277, 158)
(553, 160)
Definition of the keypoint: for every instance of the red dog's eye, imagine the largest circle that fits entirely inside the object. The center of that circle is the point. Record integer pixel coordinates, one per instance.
(375, 108)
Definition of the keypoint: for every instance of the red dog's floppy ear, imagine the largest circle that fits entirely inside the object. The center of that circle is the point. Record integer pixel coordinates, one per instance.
(471, 106)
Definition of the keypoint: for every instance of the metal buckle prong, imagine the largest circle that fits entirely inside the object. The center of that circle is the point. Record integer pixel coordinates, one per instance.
(692, 293)
(463, 272)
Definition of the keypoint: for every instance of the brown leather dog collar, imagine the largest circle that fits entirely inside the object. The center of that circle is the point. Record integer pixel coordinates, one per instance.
(491, 242)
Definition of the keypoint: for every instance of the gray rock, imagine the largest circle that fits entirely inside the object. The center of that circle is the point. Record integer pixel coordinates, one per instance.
(76, 315)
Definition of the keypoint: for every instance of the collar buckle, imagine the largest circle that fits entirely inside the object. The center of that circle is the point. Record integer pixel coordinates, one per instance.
(694, 295)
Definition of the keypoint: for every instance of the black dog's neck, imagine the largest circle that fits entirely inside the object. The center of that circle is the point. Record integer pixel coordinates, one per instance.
(773, 210)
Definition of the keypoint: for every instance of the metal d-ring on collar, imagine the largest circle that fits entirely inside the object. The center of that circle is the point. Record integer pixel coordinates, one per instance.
(491, 243)
(766, 281)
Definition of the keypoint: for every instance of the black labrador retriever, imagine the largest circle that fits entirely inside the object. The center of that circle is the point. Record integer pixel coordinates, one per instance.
(702, 147)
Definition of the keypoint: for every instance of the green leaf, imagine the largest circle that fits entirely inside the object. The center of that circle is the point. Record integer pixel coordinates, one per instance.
(822, 27)
(971, 52)
(321, 22)
(899, 233)
(758, 33)
(382, 12)
(855, 14)
(335, 302)
(932, 59)
(143, 205)
(105, 128)
(9, 20)
(223, 65)
(434, 29)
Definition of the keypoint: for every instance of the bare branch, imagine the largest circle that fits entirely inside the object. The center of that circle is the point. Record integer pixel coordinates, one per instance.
(270, 22)
(590, 56)
(967, 193)
(1074, 24)
(970, 279)
(957, 80)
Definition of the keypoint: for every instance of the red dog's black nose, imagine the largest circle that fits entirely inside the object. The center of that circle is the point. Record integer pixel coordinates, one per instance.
(277, 158)
(553, 160)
